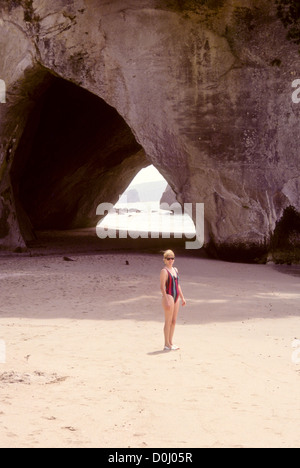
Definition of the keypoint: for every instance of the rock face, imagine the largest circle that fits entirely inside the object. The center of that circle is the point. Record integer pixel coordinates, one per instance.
(96, 90)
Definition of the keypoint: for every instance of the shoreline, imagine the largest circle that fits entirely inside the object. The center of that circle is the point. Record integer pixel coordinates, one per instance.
(87, 241)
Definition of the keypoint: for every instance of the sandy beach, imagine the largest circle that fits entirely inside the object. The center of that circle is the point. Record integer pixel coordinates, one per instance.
(84, 362)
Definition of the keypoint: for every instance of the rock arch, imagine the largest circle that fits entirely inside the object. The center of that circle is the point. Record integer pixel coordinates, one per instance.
(205, 88)
(75, 152)
(67, 152)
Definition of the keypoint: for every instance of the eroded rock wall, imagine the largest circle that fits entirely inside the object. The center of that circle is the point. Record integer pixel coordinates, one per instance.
(72, 154)
(204, 86)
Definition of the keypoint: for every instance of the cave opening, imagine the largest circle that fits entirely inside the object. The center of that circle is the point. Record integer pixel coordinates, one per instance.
(148, 209)
(76, 151)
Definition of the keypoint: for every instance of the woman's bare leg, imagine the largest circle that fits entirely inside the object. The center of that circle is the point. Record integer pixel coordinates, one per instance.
(173, 322)
(169, 313)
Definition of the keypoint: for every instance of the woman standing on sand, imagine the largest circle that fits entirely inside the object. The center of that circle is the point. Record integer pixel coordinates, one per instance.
(171, 291)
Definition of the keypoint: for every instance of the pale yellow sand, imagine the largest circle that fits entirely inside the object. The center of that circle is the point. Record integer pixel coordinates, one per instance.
(85, 367)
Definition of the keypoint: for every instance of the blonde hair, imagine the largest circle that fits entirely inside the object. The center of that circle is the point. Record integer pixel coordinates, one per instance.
(168, 253)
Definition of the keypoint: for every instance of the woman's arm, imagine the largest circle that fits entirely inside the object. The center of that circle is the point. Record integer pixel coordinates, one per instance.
(181, 296)
(180, 292)
(163, 281)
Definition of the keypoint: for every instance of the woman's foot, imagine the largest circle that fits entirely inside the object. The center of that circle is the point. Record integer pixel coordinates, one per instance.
(174, 347)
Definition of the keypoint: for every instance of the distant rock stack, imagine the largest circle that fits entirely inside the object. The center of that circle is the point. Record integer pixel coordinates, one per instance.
(133, 196)
(168, 197)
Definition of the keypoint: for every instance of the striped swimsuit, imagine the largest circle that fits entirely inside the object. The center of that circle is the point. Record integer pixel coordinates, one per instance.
(172, 285)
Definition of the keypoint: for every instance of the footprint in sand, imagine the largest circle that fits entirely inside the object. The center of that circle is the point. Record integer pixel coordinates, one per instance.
(296, 352)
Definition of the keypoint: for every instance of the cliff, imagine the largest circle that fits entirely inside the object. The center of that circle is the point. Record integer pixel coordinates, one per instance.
(96, 90)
